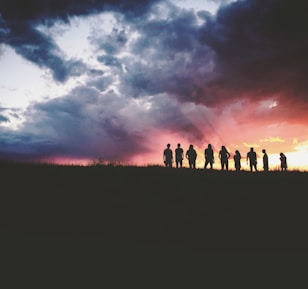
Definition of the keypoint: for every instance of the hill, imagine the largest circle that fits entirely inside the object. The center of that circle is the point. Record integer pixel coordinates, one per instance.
(213, 209)
(122, 225)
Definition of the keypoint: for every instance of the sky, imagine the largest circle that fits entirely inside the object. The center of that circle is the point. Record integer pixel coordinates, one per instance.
(88, 81)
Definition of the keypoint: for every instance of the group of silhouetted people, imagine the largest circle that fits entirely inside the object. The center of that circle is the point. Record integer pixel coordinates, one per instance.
(223, 155)
(191, 155)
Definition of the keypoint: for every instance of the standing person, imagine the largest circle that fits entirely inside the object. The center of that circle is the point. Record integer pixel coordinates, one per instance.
(283, 162)
(224, 156)
(237, 160)
(265, 160)
(191, 155)
(252, 157)
(168, 156)
(209, 156)
(179, 155)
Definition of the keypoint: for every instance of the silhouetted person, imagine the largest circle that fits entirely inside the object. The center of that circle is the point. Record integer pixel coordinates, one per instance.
(179, 155)
(224, 158)
(237, 160)
(283, 162)
(191, 155)
(252, 157)
(168, 156)
(209, 156)
(265, 160)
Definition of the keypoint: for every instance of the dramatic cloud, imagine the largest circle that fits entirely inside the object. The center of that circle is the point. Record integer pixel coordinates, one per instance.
(3, 118)
(19, 21)
(261, 48)
(157, 71)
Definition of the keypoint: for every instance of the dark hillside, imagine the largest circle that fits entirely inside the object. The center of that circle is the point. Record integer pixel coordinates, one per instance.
(215, 211)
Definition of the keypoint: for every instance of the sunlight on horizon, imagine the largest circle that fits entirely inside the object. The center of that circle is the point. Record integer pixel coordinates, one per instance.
(297, 161)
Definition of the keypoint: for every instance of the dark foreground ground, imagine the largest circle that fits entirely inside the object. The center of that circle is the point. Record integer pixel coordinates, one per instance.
(154, 226)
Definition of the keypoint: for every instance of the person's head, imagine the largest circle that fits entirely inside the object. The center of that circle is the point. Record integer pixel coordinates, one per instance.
(281, 154)
(223, 148)
(179, 145)
(209, 146)
(264, 151)
(191, 146)
(168, 145)
(251, 149)
(237, 152)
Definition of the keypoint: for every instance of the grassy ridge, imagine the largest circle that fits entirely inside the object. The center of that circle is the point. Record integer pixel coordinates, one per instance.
(109, 226)
(213, 210)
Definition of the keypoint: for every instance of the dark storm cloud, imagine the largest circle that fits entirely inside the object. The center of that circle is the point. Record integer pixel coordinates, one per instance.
(82, 124)
(168, 62)
(101, 83)
(113, 43)
(171, 58)
(3, 118)
(47, 10)
(110, 61)
(23, 146)
(41, 50)
(6, 114)
(261, 47)
(169, 118)
(19, 19)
